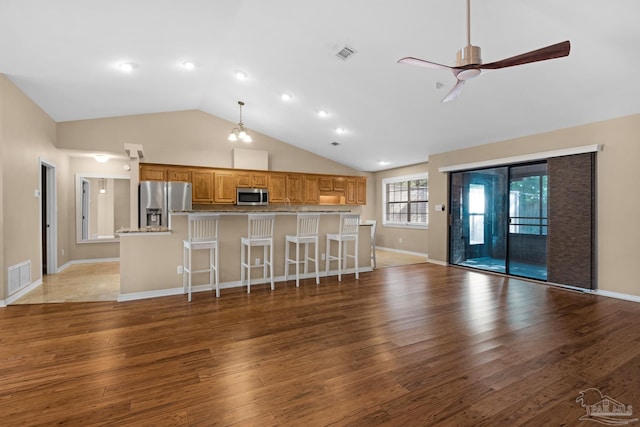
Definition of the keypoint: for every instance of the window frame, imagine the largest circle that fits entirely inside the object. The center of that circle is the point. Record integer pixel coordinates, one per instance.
(404, 224)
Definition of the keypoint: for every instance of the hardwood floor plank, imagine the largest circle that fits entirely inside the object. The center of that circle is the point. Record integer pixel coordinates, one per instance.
(412, 345)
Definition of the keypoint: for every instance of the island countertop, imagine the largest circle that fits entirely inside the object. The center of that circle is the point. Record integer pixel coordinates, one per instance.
(261, 210)
(143, 230)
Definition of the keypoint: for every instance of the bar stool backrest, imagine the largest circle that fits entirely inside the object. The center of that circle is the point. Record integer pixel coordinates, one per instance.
(308, 224)
(203, 227)
(261, 226)
(349, 224)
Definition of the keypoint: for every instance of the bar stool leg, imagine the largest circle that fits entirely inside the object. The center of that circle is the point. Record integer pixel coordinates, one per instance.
(340, 256)
(355, 242)
(248, 262)
(326, 265)
(286, 259)
(297, 264)
(316, 263)
(273, 286)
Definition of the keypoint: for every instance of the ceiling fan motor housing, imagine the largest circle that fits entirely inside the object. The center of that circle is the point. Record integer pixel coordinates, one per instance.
(468, 55)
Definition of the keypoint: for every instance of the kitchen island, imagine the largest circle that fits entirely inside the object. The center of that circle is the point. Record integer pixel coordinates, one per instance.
(151, 262)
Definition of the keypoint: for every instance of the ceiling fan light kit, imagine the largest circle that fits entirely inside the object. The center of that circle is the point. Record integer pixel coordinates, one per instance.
(469, 60)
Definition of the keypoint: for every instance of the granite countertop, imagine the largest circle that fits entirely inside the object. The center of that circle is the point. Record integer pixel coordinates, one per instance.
(247, 211)
(144, 230)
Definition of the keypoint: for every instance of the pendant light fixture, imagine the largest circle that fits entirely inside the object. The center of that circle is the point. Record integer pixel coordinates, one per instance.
(240, 133)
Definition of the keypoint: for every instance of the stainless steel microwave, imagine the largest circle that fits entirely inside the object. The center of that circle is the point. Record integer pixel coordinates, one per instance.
(252, 196)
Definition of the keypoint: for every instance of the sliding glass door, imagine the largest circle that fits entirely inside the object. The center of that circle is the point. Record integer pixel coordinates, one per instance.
(499, 220)
(478, 226)
(528, 191)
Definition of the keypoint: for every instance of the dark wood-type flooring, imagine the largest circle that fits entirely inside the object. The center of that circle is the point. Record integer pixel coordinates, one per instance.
(416, 345)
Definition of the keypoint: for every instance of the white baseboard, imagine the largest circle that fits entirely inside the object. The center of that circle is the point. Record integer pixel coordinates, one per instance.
(617, 295)
(85, 261)
(149, 294)
(435, 261)
(228, 285)
(400, 251)
(22, 292)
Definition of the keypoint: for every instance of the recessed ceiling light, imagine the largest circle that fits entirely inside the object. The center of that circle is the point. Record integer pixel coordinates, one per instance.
(383, 162)
(188, 65)
(323, 113)
(340, 130)
(127, 67)
(241, 75)
(285, 97)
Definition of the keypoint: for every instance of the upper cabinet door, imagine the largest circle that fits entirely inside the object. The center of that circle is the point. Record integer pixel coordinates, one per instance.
(151, 172)
(202, 186)
(311, 190)
(295, 188)
(277, 188)
(225, 187)
(178, 174)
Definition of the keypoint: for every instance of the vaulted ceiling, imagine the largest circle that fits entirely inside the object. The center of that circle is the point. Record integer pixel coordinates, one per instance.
(65, 55)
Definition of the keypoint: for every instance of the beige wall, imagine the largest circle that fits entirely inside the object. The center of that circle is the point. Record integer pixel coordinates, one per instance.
(3, 287)
(191, 138)
(404, 239)
(618, 201)
(28, 136)
(89, 167)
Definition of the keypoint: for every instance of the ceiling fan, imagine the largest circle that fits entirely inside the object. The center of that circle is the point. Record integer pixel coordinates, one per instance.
(469, 63)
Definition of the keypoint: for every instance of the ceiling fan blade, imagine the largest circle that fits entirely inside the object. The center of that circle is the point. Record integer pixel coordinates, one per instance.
(550, 52)
(455, 92)
(422, 63)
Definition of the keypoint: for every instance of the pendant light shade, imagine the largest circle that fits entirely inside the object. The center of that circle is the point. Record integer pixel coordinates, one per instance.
(240, 133)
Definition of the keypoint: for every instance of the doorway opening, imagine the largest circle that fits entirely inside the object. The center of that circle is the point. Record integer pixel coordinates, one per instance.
(48, 218)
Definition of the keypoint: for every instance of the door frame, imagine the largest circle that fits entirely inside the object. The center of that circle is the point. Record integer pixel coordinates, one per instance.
(51, 216)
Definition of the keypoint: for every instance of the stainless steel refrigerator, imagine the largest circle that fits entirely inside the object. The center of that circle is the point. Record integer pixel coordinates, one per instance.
(157, 198)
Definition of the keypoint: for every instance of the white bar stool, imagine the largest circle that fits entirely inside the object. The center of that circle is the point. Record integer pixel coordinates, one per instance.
(306, 233)
(203, 234)
(349, 224)
(373, 223)
(260, 234)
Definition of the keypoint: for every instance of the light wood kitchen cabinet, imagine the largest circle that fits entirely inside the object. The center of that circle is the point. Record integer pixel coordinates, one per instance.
(202, 186)
(252, 180)
(152, 172)
(218, 186)
(311, 189)
(325, 183)
(339, 184)
(361, 191)
(332, 184)
(225, 187)
(277, 188)
(350, 194)
(356, 193)
(295, 188)
(178, 174)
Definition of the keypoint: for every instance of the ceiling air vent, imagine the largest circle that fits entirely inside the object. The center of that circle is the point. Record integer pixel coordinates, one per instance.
(345, 52)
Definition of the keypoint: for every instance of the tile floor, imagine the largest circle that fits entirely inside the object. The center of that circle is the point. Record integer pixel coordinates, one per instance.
(101, 281)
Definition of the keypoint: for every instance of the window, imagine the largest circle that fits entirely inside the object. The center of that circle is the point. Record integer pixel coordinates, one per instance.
(405, 201)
